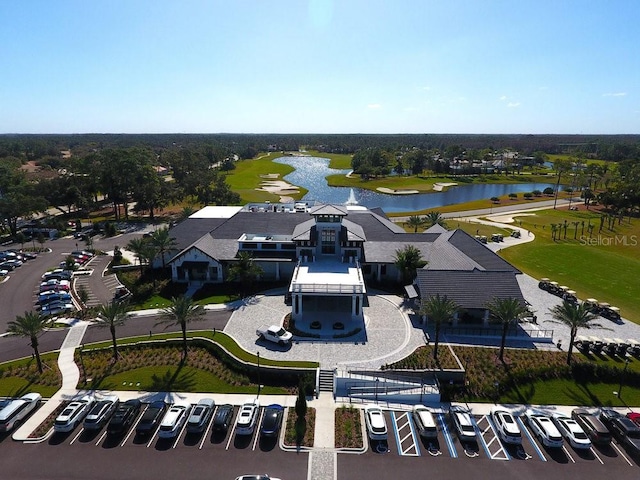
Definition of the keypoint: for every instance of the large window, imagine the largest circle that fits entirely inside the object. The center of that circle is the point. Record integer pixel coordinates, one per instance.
(328, 239)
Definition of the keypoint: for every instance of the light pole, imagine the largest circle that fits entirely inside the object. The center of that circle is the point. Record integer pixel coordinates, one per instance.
(258, 373)
(624, 371)
(377, 383)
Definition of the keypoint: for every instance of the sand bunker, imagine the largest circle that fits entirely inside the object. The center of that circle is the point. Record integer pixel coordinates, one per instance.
(438, 187)
(272, 176)
(392, 191)
(279, 187)
(508, 218)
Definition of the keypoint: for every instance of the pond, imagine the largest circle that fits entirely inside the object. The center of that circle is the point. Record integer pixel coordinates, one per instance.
(310, 173)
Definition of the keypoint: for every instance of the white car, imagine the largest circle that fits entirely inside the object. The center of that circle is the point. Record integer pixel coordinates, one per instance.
(256, 477)
(505, 423)
(544, 429)
(73, 414)
(100, 413)
(174, 419)
(16, 410)
(424, 421)
(461, 419)
(247, 417)
(572, 431)
(56, 308)
(376, 424)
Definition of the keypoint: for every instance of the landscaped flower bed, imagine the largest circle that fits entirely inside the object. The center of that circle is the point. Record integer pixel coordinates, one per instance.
(422, 359)
(290, 433)
(47, 425)
(348, 428)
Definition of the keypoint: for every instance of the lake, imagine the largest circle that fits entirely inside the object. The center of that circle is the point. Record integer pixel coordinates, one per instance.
(310, 173)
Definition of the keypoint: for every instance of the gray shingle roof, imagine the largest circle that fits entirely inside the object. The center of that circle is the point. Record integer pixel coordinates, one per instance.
(469, 289)
(328, 210)
(488, 259)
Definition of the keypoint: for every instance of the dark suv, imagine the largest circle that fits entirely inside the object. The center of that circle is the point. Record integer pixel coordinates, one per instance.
(592, 426)
(626, 432)
(151, 418)
(123, 417)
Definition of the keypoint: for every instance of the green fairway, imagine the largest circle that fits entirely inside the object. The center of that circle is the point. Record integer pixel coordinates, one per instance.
(605, 265)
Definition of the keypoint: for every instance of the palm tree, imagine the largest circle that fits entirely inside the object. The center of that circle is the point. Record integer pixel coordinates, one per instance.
(245, 271)
(113, 315)
(407, 261)
(505, 311)
(434, 218)
(30, 325)
(163, 242)
(181, 311)
(416, 222)
(138, 247)
(575, 316)
(438, 309)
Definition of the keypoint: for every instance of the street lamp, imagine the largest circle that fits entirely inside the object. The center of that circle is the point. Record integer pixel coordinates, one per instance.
(624, 371)
(377, 383)
(258, 373)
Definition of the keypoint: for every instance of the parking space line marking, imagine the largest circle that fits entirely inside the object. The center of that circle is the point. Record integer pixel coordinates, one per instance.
(257, 429)
(152, 437)
(622, 454)
(134, 426)
(596, 455)
(566, 452)
(412, 449)
(233, 431)
(530, 437)
(447, 436)
(495, 437)
(184, 427)
(206, 430)
(77, 436)
(104, 434)
(395, 432)
(484, 444)
(413, 432)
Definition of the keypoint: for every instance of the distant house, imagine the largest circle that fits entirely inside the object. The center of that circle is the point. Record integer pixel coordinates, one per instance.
(329, 253)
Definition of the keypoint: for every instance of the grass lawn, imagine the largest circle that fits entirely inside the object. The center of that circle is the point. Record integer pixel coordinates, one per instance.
(596, 267)
(245, 178)
(339, 161)
(553, 157)
(21, 376)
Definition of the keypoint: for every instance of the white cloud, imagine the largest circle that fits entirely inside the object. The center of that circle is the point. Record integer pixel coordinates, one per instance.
(616, 94)
(374, 106)
(426, 87)
(513, 104)
(503, 98)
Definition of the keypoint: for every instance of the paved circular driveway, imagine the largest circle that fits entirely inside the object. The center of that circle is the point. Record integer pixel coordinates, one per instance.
(390, 334)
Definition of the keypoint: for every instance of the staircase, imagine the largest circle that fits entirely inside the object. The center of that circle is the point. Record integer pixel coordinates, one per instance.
(325, 381)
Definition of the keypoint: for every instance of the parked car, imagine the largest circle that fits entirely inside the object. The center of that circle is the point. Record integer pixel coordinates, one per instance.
(17, 410)
(56, 308)
(8, 266)
(271, 420)
(101, 412)
(73, 414)
(462, 423)
(223, 417)
(506, 426)
(592, 426)
(626, 432)
(544, 429)
(424, 421)
(124, 417)
(275, 334)
(151, 418)
(200, 415)
(634, 416)
(256, 477)
(247, 417)
(572, 431)
(3, 272)
(376, 424)
(174, 419)
(54, 296)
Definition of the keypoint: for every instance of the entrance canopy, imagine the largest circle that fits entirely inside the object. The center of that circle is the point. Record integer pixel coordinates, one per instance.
(327, 277)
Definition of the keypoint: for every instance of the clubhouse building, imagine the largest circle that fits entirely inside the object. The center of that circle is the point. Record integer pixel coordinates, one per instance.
(329, 254)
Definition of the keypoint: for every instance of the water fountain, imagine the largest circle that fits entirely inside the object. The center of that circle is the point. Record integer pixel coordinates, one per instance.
(352, 198)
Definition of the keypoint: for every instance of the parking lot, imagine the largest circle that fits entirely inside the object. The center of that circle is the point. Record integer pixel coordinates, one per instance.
(404, 451)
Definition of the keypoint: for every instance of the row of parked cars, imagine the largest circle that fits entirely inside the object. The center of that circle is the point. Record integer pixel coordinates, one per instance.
(12, 259)
(599, 308)
(168, 420)
(581, 429)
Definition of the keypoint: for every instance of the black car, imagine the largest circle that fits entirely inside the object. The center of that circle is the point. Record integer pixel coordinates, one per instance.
(151, 418)
(625, 431)
(223, 417)
(124, 417)
(592, 425)
(271, 420)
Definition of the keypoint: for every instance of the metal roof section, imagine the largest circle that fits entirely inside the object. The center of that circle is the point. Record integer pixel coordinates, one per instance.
(327, 277)
(329, 209)
(216, 211)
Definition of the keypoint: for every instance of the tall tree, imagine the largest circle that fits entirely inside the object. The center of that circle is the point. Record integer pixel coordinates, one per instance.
(163, 242)
(138, 246)
(245, 271)
(407, 260)
(560, 166)
(416, 222)
(434, 218)
(574, 316)
(181, 311)
(30, 325)
(505, 311)
(112, 315)
(439, 310)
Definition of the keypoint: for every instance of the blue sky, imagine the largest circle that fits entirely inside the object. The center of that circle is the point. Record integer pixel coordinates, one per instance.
(320, 66)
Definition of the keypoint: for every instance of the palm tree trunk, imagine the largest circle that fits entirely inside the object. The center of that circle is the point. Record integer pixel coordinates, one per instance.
(184, 339)
(36, 352)
(435, 345)
(505, 327)
(573, 336)
(115, 344)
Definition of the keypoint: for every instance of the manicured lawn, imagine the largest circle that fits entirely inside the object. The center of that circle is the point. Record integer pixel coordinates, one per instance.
(339, 161)
(21, 376)
(594, 267)
(246, 178)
